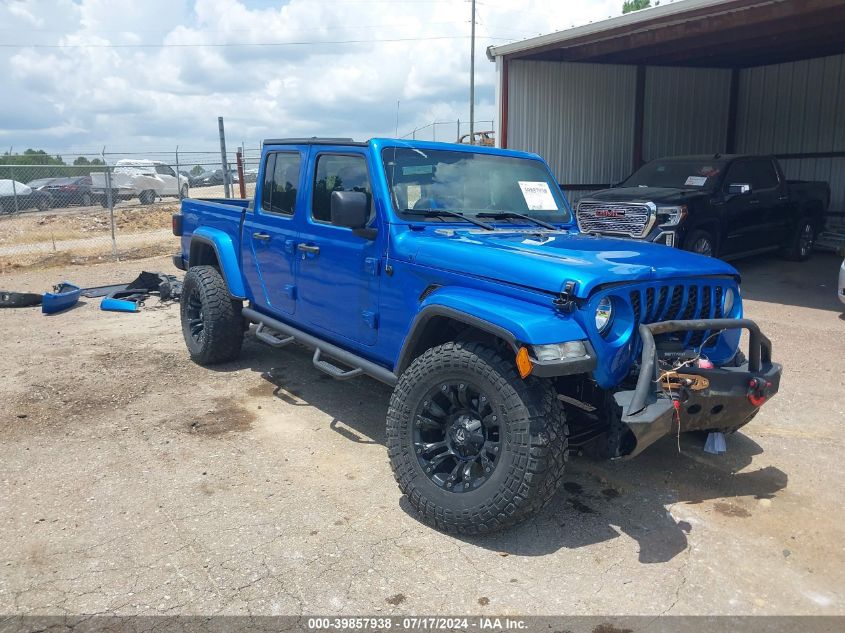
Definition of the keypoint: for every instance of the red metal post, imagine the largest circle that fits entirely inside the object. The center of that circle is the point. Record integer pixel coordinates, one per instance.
(241, 183)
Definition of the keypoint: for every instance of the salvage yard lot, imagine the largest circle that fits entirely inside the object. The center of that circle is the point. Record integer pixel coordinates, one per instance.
(134, 481)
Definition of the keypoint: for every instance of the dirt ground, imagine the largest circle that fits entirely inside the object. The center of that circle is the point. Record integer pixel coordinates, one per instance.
(133, 481)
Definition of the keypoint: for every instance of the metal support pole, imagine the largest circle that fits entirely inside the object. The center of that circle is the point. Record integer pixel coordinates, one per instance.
(226, 187)
(434, 131)
(110, 201)
(178, 175)
(14, 188)
(459, 132)
(472, 80)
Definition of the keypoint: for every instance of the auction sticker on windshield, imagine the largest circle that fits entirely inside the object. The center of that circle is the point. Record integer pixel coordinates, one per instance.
(696, 181)
(538, 196)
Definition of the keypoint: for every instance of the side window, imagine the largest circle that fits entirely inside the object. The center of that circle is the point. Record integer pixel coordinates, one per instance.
(281, 179)
(740, 173)
(337, 172)
(165, 170)
(764, 175)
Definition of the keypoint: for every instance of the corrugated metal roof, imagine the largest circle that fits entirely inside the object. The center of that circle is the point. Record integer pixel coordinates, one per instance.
(627, 20)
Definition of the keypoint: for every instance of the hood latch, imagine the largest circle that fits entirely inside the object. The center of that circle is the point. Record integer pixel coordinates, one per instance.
(567, 301)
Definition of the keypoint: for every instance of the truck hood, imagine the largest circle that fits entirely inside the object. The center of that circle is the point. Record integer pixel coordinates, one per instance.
(658, 195)
(546, 260)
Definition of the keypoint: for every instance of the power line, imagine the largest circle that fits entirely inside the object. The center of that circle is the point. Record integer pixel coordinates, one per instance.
(243, 44)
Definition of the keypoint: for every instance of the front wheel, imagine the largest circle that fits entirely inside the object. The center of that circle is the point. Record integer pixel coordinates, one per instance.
(701, 242)
(473, 446)
(184, 192)
(211, 320)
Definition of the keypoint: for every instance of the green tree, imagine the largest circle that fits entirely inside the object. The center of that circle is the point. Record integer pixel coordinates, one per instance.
(81, 160)
(197, 170)
(636, 5)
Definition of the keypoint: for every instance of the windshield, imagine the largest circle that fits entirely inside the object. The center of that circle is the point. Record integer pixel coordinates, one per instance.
(471, 184)
(676, 175)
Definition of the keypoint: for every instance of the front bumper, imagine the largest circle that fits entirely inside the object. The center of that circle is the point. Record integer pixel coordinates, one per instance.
(723, 398)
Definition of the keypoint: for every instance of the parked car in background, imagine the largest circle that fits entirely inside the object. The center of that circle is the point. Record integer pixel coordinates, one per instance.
(16, 196)
(75, 190)
(486, 138)
(146, 179)
(724, 206)
(39, 183)
(215, 177)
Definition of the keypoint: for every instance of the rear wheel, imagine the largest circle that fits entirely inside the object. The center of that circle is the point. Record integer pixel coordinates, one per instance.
(147, 197)
(86, 200)
(701, 242)
(801, 246)
(474, 447)
(184, 193)
(211, 320)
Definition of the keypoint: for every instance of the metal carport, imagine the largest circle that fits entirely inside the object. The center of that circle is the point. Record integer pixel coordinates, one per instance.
(693, 76)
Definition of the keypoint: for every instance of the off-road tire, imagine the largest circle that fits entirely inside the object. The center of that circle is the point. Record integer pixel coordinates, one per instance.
(222, 331)
(691, 241)
(797, 250)
(534, 440)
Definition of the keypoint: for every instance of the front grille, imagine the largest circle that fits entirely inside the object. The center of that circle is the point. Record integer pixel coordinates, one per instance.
(681, 301)
(617, 218)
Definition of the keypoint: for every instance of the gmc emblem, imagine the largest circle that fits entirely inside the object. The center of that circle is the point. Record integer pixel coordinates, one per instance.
(609, 213)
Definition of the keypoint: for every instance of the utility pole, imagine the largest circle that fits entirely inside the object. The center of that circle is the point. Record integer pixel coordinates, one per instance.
(472, 80)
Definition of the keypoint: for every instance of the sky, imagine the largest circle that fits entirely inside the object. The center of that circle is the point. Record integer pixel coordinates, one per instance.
(148, 75)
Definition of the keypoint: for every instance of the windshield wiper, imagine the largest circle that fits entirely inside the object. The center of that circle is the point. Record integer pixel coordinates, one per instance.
(440, 213)
(504, 215)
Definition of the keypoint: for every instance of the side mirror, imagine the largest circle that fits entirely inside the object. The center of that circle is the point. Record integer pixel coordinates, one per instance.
(739, 189)
(349, 209)
(352, 210)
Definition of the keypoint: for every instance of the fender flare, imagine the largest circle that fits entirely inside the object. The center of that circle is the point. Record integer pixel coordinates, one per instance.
(227, 258)
(521, 322)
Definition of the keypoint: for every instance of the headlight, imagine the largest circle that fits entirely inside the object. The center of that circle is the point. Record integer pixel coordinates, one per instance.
(604, 314)
(558, 351)
(728, 302)
(670, 216)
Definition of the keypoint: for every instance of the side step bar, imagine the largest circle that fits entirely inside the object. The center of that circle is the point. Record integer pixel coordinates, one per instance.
(333, 370)
(265, 336)
(359, 365)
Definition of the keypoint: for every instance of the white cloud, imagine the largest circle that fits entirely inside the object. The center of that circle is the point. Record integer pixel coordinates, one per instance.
(155, 98)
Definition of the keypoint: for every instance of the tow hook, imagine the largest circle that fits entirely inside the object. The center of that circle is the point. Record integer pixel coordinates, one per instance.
(758, 391)
(566, 301)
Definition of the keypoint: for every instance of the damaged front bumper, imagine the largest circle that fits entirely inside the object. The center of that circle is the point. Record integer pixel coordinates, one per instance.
(719, 398)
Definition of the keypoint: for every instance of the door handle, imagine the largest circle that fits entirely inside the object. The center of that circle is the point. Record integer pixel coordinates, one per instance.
(753, 202)
(264, 237)
(308, 248)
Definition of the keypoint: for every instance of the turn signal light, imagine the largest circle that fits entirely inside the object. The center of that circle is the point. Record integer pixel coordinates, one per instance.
(523, 363)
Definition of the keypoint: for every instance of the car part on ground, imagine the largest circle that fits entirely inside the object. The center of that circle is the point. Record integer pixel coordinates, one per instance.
(64, 295)
(10, 299)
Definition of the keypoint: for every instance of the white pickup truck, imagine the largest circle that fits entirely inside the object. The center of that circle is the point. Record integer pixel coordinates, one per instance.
(146, 179)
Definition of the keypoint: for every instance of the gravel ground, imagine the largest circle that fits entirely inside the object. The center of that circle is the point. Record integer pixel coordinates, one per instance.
(134, 482)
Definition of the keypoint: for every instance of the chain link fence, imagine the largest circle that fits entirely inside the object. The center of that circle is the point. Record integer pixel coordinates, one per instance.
(111, 205)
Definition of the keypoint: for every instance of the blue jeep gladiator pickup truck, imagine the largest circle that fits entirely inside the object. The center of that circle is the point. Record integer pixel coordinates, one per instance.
(457, 275)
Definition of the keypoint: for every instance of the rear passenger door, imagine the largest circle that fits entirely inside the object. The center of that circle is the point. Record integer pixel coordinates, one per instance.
(268, 238)
(170, 186)
(338, 273)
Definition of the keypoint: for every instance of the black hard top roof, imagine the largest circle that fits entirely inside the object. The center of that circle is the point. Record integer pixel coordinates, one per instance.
(313, 140)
